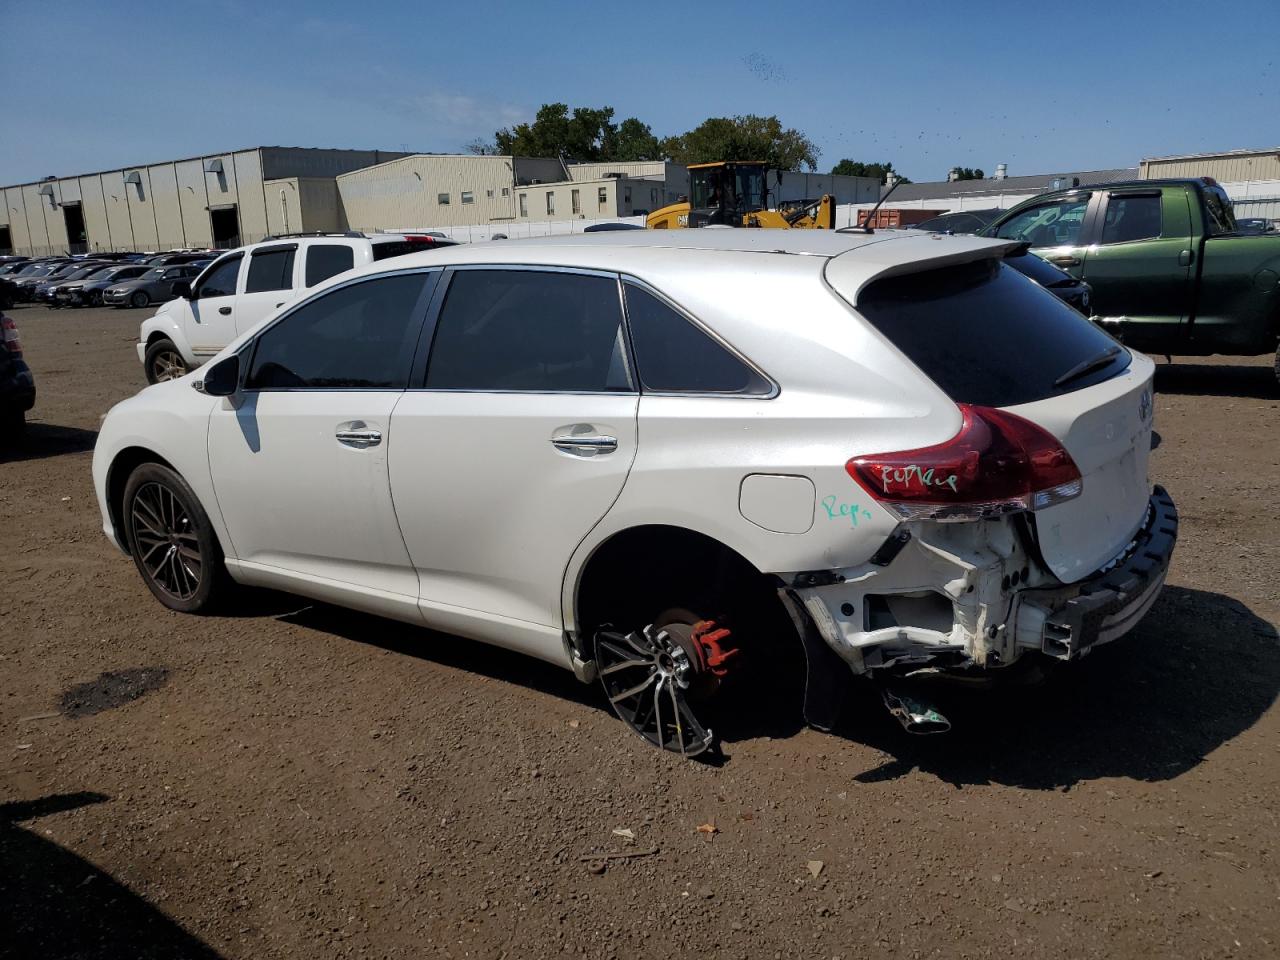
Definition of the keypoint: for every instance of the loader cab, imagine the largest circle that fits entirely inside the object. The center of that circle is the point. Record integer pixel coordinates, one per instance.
(723, 193)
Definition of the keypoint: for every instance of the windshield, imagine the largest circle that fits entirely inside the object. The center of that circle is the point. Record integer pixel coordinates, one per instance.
(988, 336)
(735, 187)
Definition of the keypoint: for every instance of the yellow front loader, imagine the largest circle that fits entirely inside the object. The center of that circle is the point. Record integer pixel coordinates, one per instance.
(735, 193)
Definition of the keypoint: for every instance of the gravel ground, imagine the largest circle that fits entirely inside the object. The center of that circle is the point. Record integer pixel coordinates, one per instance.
(297, 781)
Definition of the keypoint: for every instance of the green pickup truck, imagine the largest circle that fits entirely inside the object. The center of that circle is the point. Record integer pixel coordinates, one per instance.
(1170, 272)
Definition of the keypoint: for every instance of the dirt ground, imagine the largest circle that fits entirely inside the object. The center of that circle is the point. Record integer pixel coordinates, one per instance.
(296, 781)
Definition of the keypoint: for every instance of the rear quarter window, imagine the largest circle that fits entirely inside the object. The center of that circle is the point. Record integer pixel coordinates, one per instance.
(987, 335)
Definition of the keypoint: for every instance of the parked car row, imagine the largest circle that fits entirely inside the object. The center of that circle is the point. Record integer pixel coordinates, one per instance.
(79, 280)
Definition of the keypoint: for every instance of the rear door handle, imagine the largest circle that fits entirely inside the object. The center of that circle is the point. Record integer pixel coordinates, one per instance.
(358, 434)
(584, 446)
(224, 310)
(1064, 261)
(1186, 258)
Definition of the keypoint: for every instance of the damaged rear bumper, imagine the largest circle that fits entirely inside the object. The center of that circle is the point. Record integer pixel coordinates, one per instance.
(978, 596)
(1109, 604)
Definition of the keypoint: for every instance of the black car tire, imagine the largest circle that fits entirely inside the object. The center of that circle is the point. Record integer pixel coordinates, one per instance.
(140, 298)
(163, 357)
(182, 515)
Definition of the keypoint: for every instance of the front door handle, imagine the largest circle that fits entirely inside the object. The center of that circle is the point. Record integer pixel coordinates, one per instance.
(358, 434)
(225, 311)
(1064, 261)
(584, 446)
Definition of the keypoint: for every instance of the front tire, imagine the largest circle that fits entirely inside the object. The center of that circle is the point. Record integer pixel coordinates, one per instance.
(172, 541)
(140, 299)
(164, 362)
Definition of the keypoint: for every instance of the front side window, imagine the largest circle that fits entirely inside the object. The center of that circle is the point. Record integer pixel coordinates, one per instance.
(1131, 218)
(270, 269)
(325, 260)
(528, 330)
(360, 336)
(1052, 224)
(673, 355)
(220, 281)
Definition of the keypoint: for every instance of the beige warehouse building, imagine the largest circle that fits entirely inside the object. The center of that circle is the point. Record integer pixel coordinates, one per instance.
(216, 200)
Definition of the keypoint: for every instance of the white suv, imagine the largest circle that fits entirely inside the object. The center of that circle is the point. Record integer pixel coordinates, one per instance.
(669, 460)
(246, 285)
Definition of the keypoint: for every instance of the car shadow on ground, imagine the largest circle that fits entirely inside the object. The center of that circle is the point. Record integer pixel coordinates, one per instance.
(1200, 669)
(496, 663)
(42, 440)
(1214, 380)
(57, 905)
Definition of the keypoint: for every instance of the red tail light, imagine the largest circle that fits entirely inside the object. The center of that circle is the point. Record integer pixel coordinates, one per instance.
(9, 336)
(998, 463)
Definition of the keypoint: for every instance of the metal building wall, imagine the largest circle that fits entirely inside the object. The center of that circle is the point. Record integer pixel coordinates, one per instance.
(253, 202)
(408, 190)
(283, 193)
(93, 205)
(166, 204)
(142, 216)
(19, 232)
(35, 205)
(1263, 165)
(193, 202)
(321, 205)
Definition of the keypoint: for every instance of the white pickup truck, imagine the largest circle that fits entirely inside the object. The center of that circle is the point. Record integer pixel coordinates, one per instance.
(246, 285)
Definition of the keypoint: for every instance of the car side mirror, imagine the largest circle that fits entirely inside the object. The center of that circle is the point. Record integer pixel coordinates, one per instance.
(181, 289)
(222, 379)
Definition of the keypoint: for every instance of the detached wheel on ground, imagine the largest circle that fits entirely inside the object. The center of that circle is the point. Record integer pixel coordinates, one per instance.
(172, 541)
(140, 298)
(164, 362)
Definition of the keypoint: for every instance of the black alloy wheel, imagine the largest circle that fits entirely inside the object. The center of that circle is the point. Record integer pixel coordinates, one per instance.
(172, 541)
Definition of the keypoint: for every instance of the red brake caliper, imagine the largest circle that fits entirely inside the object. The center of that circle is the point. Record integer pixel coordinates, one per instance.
(707, 637)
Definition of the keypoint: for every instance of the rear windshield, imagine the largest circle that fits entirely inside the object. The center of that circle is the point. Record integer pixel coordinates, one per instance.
(1045, 274)
(987, 335)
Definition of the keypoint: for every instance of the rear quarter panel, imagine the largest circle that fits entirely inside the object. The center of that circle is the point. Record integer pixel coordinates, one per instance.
(1238, 305)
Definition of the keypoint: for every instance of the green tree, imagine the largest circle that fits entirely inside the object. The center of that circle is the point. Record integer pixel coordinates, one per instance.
(480, 147)
(586, 133)
(855, 168)
(969, 173)
(743, 138)
(635, 141)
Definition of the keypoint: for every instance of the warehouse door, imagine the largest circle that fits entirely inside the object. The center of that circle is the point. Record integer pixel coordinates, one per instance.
(225, 224)
(6, 240)
(73, 217)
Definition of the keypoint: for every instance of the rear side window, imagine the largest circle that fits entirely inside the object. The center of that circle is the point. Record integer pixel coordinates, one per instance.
(398, 248)
(1219, 215)
(270, 269)
(360, 336)
(325, 260)
(1131, 218)
(529, 330)
(675, 356)
(987, 335)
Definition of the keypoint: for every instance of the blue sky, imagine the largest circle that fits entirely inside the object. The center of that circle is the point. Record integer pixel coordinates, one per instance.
(1045, 87)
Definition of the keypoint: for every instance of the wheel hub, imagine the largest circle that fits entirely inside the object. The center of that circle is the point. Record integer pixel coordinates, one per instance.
(655, 677)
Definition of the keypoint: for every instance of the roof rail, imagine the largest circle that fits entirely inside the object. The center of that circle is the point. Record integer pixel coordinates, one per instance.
(313, 233)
